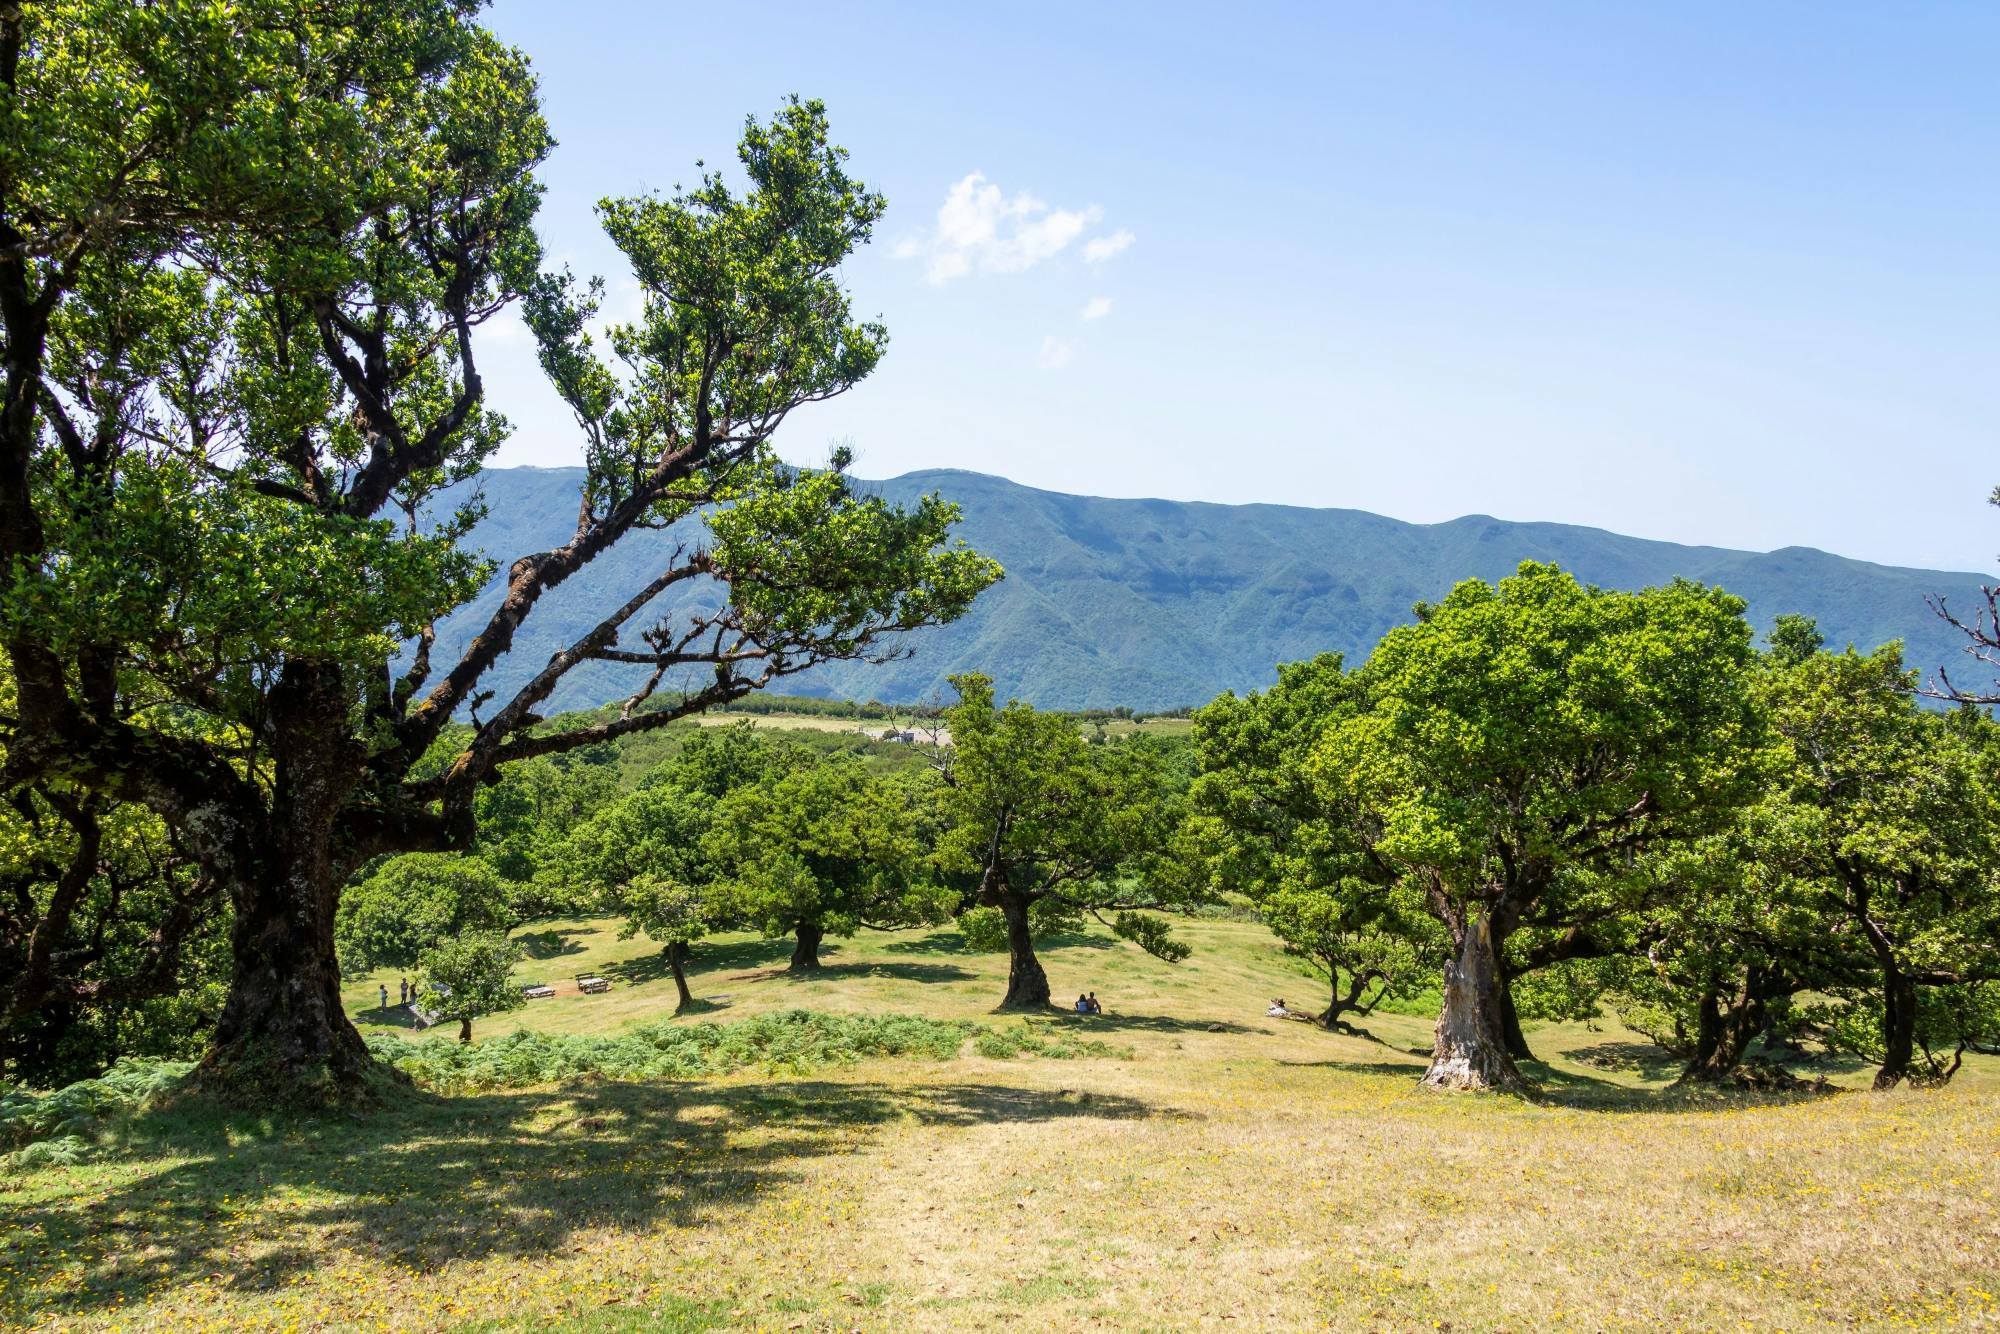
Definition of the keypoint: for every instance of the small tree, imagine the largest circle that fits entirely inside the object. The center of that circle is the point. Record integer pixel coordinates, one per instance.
(674, 914)
(827, 847)
(644, 853)
(1889, 812)
(469, 977)
(1040, 815)
(643, 856)
(1263, 826)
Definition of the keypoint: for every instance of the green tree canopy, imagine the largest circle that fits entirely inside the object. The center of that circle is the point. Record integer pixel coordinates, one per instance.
(1262, 826)
(647, 854)
(252, 249)
(1888, 812)
(406, 904)
(1521, 743)
(1038, 815)
(824, 849)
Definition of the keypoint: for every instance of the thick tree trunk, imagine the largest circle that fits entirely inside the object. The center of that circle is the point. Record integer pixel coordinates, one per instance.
(1471, 1047)
(283, 1038)
(1510, 1021)
(1027, 984)
(805, 954)
(465, 1029)
(1899, 1027)
(1729, 1018)
(676, 957)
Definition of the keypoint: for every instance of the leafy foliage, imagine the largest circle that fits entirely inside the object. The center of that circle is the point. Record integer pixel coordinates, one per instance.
(410, 903)
(1264, 826)
(61, 1127)
(250, 250)
(829, 845)
(1038, 815)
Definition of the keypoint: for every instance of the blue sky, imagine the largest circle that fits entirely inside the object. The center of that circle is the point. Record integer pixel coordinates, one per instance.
(1711, 273)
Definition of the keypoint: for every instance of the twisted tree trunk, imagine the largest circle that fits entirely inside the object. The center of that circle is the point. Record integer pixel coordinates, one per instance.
(1350, 1003)
(1729, 1018)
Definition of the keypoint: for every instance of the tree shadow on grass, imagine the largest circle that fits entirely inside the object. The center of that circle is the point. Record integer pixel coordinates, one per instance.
(948, 941)
(1644, 1059)
(1076, 940)
(1085, 1025)
(1411, 1069)
(715, 956)
(433, 1180)
(1553, 1086)
(639, 969)
(908, 972)
(550, 944)
(395, 1016)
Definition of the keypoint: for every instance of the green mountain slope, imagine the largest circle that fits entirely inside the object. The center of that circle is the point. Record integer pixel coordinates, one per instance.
(1155, 603)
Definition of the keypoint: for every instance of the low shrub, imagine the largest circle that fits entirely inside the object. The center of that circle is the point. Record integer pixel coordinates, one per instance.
(786, 1042)
(1030, 1039)
(61, 1127)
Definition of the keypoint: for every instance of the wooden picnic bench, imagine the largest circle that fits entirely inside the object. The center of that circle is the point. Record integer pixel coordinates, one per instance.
(539, 991)
(588, 985)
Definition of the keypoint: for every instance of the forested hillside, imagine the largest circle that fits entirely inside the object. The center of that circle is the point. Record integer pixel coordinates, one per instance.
(1155, 603)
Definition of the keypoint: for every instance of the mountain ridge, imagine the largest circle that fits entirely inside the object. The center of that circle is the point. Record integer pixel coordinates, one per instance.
(1158, 603)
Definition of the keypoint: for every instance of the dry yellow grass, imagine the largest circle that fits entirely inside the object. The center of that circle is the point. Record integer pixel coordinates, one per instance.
(1265, 1176)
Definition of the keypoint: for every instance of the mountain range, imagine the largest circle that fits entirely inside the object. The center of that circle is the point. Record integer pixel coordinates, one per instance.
(1156, 603)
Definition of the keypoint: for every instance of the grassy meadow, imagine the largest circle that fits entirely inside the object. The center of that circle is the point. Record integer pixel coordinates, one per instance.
(1222, 1170)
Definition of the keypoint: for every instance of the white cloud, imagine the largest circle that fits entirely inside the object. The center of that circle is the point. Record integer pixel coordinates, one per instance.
(1055, 352)
(980, 228)
(1100, 248)
(1099, 307)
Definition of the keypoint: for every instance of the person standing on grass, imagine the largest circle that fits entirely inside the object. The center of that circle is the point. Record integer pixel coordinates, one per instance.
(384, 989)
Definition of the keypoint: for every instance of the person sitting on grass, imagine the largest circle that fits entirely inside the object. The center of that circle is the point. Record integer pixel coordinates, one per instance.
(1277, 1011)
(1095, 1008)
(1082, 1004)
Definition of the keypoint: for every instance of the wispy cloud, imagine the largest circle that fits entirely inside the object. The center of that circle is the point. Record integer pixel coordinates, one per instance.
(1100, 248)
(1099, 307)
(982, 229)
(1055, 353)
